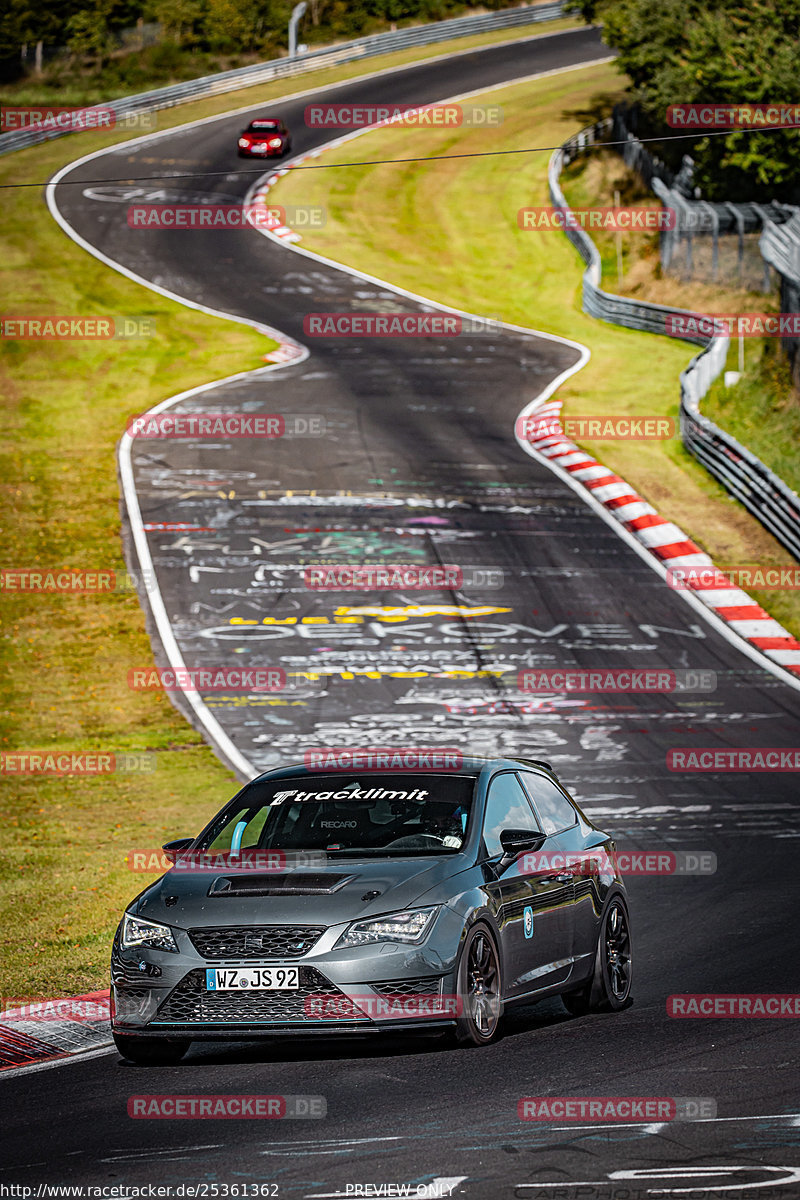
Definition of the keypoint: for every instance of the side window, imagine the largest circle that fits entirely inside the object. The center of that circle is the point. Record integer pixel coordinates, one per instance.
(554, 809)
(245, 826)
(507, 807)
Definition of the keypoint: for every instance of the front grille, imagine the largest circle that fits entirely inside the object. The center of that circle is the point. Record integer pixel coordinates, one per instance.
(430, 986)
(132, 993)
(191, 1004)
(257, 942)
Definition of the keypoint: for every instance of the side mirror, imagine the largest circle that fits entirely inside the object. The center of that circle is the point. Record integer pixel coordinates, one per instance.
(515, 842)
(173, 850)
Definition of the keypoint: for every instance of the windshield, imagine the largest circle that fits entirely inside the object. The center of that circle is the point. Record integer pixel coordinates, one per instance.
(373, 814)
(258, 126)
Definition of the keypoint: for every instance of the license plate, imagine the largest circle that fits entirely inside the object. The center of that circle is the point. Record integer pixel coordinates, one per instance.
(255, 979)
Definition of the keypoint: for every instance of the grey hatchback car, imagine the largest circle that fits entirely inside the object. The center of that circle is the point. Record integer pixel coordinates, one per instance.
(348, 901)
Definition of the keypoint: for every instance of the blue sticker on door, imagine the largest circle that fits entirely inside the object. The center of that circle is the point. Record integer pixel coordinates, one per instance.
(527, 921)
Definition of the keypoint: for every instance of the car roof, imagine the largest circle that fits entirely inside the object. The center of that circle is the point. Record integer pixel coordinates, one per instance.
(469, 766)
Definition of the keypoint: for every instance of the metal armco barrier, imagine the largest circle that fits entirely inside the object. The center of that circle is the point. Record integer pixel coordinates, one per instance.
(762, 492)
(780, 248)
(285, 68)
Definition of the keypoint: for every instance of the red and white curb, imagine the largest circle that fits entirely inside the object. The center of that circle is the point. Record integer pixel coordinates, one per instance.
(272, 223)
(259, 194)
(286, 352)
(37, 1031)
(663, 539)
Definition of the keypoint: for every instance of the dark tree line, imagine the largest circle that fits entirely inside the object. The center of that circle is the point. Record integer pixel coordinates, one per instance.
(89, 31)
(714, 51)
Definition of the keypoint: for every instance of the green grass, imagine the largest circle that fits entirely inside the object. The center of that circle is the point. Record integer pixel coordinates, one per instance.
(763, 409)
(448, 230)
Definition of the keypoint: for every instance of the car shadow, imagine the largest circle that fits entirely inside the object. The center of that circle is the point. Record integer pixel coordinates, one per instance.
(518, 1021)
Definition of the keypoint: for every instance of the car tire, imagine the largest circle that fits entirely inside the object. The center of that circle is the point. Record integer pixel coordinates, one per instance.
(479, 988)
(609, 988)
(151, 1052)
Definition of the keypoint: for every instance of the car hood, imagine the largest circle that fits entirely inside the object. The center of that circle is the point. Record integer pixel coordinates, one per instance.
(336, 893)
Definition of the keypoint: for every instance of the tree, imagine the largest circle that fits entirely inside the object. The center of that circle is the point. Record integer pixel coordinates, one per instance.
(182, 20)
(88, 32)
(690, 52)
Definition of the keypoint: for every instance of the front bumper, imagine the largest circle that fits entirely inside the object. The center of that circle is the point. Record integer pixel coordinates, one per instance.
(385, 987)
(248, 152)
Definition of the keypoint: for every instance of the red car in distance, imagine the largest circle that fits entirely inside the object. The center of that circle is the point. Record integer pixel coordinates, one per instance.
(265, 137)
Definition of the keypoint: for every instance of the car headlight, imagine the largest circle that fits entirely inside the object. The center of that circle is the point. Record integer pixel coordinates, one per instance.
(136, 932)
(410, 926)
(243, 143)
(275, 142)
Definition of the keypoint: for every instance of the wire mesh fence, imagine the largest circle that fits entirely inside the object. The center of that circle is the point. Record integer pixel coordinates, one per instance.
(762, 492)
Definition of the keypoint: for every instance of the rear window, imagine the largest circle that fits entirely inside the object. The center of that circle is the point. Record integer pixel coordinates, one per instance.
(377, 814)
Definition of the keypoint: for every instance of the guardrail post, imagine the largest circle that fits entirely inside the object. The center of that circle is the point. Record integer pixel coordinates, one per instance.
(294, 21)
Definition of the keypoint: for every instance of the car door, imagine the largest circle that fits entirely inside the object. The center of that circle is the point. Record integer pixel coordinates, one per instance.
(526, 906)
(559, 820)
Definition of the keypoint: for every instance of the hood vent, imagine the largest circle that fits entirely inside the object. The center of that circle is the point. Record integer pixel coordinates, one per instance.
(296, 883)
